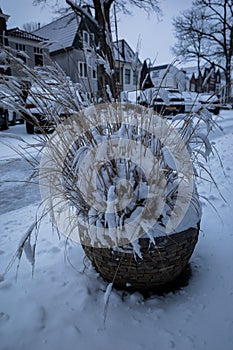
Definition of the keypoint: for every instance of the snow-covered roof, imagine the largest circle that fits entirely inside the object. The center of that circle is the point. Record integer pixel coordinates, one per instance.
(22, 34)
(160, 67)
(123, 52)
(4, 15)
(61, 32)
(189, 71)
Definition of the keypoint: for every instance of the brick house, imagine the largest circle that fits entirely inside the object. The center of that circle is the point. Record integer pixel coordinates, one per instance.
(208, 80)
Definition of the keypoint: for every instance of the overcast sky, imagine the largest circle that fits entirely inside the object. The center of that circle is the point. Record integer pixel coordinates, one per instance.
(156, 37)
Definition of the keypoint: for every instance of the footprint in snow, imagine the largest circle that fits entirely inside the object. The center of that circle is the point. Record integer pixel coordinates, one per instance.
(213, 198)
(55, 250)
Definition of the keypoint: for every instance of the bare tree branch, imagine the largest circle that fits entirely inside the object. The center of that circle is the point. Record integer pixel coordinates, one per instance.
(205, 32)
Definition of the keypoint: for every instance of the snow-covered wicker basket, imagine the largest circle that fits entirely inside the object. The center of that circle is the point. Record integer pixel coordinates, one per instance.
(162, 263)
(123, 173)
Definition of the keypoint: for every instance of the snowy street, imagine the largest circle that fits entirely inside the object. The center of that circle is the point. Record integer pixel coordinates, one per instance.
(63, 307)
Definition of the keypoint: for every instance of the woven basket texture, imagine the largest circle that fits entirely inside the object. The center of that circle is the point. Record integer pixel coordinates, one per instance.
(161, 264)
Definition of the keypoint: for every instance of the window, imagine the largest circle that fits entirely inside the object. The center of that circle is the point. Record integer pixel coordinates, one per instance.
(85, 37)
(38, 50)
(192, 87)
(119, 74)
(38, 55)
(92, 39)
(82, 69)
(94, 73)
(127, 76)
(88, 38)
(20, 47)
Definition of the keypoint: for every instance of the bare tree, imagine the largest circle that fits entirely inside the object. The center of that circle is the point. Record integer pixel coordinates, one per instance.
(102, 19)
(31, 26)
(205, 32)
(190, 44)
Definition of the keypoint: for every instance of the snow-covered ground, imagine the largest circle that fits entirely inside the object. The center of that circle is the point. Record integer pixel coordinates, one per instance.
(63, 307)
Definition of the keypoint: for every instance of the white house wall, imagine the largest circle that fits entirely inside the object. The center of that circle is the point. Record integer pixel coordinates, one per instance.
(69, 62)
(162, 78)
(131, 86)
(29, 51)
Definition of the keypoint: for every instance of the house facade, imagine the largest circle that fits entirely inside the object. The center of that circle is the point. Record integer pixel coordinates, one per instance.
(127, 67)
(207, 80)
(161, 76)
(72, 45)
(26, 46)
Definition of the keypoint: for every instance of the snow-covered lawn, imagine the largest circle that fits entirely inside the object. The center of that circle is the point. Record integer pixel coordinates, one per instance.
(63, 307)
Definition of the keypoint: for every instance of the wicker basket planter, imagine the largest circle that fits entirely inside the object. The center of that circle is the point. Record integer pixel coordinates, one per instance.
(161, 264)
(122, 169)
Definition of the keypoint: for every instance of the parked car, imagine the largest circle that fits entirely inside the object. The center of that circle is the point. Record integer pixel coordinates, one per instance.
(47, 105)
(191, 101)
(15, 116)
(211, 102)
(8, 101)
(195, 101)
(165, 101)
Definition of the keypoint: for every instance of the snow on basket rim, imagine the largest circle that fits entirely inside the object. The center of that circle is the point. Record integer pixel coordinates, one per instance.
(107, 148)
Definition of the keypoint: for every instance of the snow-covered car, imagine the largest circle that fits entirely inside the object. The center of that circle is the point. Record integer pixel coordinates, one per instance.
(210, 101)
(132, 96)
(191, 101)
(48, 104)
(165, 101)
(194, 101)
(15, 116)
(9, 114)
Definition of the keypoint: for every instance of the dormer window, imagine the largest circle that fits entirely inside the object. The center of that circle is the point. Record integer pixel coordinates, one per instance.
(88, 38)
(85, 37)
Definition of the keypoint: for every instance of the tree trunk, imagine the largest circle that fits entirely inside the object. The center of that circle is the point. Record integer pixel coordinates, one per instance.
(228, 86)
(106, 78)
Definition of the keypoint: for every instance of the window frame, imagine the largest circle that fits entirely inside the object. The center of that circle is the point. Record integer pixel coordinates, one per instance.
(82, 70)
(127, 76)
